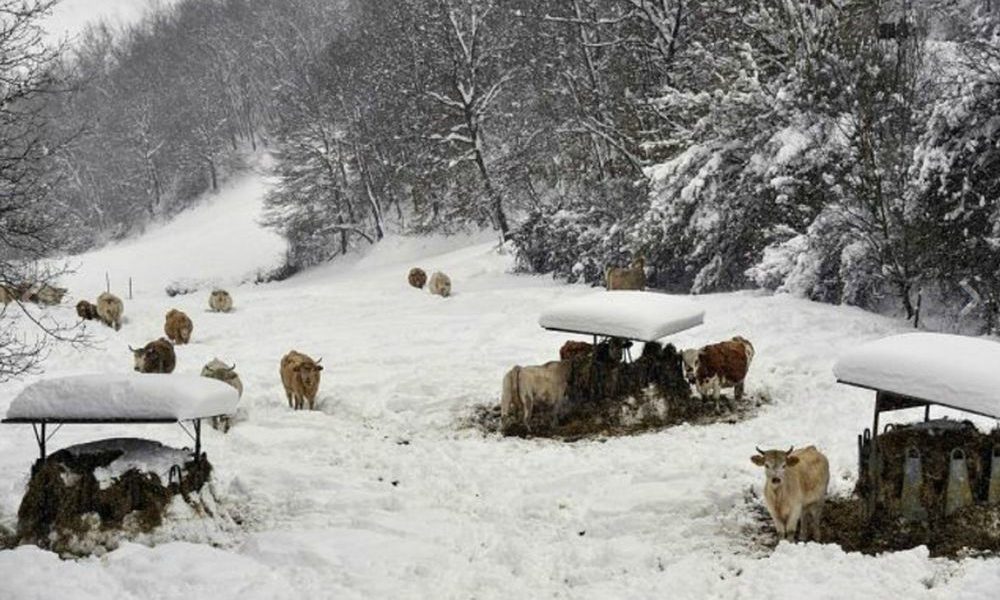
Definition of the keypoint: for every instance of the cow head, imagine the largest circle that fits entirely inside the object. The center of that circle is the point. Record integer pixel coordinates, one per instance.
(692, 360)
(775, 462)
(143, 357)
(218, 369)
(308, 372)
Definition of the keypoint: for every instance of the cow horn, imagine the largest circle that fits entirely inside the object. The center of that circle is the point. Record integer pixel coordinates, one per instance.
(758, 449)
(233, 368)
(320, 360)
(131, 348)
(790, 448)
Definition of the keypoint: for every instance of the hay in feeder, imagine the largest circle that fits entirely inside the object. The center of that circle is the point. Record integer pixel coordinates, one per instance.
(935, 441)
(117, 485)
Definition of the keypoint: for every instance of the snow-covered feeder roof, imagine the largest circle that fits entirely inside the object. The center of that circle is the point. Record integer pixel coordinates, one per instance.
(951, 370)
(643, 316)
(123, 397)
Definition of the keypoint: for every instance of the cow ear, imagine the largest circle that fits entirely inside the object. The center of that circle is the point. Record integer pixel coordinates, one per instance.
(791, 461)
(319, 367)
(757, 459)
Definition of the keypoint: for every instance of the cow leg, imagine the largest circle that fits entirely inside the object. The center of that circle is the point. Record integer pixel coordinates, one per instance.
(738, 391)
(288, 395)
(792, 525)
(816, 518)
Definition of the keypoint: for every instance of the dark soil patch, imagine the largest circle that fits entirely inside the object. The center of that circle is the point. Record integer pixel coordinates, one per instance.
(64, 499)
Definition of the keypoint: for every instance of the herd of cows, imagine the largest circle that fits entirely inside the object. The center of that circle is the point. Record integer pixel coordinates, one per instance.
(796, 480)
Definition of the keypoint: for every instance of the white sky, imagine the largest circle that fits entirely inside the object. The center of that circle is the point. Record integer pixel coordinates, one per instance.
(69, 17)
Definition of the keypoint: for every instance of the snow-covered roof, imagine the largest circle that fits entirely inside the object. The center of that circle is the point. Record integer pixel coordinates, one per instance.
(644, 316)
(951, 370)
(124, 396)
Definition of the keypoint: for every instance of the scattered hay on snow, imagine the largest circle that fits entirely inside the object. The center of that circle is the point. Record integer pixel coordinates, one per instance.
(87, 499)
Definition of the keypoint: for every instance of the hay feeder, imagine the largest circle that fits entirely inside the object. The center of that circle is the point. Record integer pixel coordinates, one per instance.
(926, 472)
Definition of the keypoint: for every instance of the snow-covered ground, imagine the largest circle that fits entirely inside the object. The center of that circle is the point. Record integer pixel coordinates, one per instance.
(384, 494)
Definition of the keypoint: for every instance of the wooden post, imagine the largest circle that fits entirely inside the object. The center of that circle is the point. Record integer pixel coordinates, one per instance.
(129, 288)
(107, 282)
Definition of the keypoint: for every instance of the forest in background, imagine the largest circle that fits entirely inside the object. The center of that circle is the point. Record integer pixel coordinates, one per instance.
(847, 151)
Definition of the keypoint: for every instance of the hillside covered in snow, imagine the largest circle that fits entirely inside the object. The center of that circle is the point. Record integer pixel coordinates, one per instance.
(388, 491)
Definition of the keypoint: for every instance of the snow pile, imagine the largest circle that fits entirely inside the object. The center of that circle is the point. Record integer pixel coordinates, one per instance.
(952, 370)
(644, 316)
(148, 396)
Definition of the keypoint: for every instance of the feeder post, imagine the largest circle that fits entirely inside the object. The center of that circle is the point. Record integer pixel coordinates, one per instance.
(197, 439)
(129, 288)
(107, 282)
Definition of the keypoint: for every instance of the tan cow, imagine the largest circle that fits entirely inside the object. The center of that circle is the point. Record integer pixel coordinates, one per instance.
(300, 375)
(718, 366)
(795, 489)
(110, 310)
(417, 277)
(440, 284)
(627, 278)
(216, 369)
(86, 311)
(178, 327)
(155, 357)
(526, 389)
(220, 301)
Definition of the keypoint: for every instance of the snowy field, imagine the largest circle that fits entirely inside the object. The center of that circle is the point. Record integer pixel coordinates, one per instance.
(383, 493)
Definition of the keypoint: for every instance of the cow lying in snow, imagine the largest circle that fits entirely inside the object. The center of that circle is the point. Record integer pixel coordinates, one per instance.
(178, 327)
(110, 310)
(795, 489)
(527, 389)
(300, 376)
(627, 278)
(155, 357)
(718, 366)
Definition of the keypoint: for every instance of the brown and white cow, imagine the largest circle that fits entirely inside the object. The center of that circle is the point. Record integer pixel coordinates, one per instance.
(155, 357)
(178, 327)
(795, 489)
(527, 389)
(718, 366)
(627, 278)
(300, 376)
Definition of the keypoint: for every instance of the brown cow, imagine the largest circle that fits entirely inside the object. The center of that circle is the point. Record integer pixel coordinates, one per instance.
(86, 311)
(155, 357)
(717, 366)
(607, 351)
(794, 489)
(417, 277)
(300, 375)
(110, 309)
(526, 389)
(572, 348)
(627, 278)
(178, 327)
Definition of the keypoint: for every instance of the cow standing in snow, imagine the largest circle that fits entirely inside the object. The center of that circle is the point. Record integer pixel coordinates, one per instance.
(86, 311)
(300, 376)
(220, 301)
(627, 278)
(718, 366)
(526, 389)
(155, 357)
(110, 309)
(216, 369)
(178, 327)
(440, 284)
(417, 277)
(795, 489)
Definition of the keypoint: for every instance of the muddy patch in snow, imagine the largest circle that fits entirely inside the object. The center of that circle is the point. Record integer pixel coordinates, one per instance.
(972, 531)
